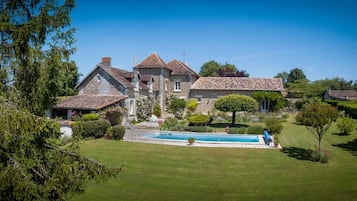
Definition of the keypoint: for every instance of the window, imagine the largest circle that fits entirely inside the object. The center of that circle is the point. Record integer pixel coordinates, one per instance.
(166, 81)
(98, 78)
(199, 99)
(131, 107)
(177, 86)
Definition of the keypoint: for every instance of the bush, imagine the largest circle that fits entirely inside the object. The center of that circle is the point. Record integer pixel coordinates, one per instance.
(255, 130)
(90, 117)
(176, 106)
(77, 129)
(109, 133)
(192, 104)
(273, 125)
(114, 117)
(319, 156)
(90, 129)
(144, 107)
(236, 130)
(346, 125)
(199, 120)
(169, 123)
(199, 129)
(118, 132)
(157, 110)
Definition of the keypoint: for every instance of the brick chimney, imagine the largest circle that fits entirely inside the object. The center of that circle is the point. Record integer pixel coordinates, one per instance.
(107, 61)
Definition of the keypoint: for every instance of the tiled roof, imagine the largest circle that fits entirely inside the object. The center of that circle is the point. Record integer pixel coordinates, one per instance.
(238, 83)
(119, 74)
(342, 94)
(152, 61)
(179, 68)
(88, 102)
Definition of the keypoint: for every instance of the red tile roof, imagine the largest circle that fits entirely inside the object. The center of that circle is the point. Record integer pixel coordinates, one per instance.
(88, 102)
(180, 68)
(152, 61)
(238, 83)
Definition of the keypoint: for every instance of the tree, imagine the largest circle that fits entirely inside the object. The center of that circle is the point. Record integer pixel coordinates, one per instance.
(284, 76)
(26, 29)
(317, 118)
(32, 164)
(346, 125)
(176, 106)
(209, 69)
(234, 103)
(295, 75)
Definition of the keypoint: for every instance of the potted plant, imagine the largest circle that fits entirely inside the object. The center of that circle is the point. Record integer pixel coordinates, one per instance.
(276, 140)
(191, 140)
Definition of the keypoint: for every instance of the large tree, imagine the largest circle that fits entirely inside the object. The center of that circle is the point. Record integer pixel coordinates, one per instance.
(234, 103)
(317, 117)
(32, 164)
(214, 69)
(36, 43)
(295, 75)
(209, 69)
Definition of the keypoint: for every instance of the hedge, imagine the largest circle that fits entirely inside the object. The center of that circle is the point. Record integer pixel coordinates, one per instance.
(90, 129)
(199, 129)
(234, 130)
(199, 120)
(350, 107)
(255, 130)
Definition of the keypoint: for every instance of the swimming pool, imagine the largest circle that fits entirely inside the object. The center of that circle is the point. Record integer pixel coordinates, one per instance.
(205, 137)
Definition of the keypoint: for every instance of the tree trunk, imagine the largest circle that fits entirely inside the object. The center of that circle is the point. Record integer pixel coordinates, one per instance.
(233, 118)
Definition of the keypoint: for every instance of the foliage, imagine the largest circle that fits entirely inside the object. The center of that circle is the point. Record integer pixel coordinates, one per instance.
(349, 107)
(234, 103)
(191, 140)
(255, 129)
(234, 130)
(321, 156)
(199, 120)
(295, 75)
(118, 132)
(90, 117)
(317, 118)
(192, 104)
(273, 125)
(209, 69)
(90, 129)
(37, 74)
(276, 99)
(114, 116)
(33, 166)
(346, 125)
(144, 108)
(157, 110)
(214, 69)
(284, 76)
(169, 123)
(200, 129)
(176, 106)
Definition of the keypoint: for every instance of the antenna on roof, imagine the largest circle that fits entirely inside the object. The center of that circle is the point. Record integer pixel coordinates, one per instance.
(184, 57)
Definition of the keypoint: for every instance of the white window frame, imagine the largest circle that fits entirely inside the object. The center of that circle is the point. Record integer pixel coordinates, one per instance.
(177, 85)
(131, 106)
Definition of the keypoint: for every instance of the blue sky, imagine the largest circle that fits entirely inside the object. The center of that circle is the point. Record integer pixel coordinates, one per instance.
(261, 37)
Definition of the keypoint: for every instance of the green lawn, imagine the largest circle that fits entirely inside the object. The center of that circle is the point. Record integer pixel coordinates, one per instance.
(159, 172)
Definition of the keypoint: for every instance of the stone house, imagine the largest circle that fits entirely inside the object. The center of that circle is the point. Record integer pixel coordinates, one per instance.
(106, 86)
(340, 95)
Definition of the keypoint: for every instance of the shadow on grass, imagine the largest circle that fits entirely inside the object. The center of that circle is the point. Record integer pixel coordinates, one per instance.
(223, 125)
(341, 134)
(350, 146)
(296, 152)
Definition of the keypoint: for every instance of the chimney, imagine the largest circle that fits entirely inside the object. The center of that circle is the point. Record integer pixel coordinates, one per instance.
(107, 61)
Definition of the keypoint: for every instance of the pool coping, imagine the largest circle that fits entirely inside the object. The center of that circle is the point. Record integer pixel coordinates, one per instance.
(137, 135)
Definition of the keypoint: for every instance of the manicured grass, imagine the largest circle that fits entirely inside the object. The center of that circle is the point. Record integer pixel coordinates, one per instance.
(159, 172)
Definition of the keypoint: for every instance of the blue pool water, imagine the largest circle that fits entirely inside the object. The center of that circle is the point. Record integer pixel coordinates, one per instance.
(203, 137)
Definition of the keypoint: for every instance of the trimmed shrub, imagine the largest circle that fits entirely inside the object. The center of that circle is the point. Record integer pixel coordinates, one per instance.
(346, 125)
(114, 117)
(199, 120)
(90, 117)
(157, 110)
(93, 129)
(169, 123)
(236, 130)
(199, 129)
(192, 104)
(176, 106)
(273, 125)
(255, 130)
(118, 132)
